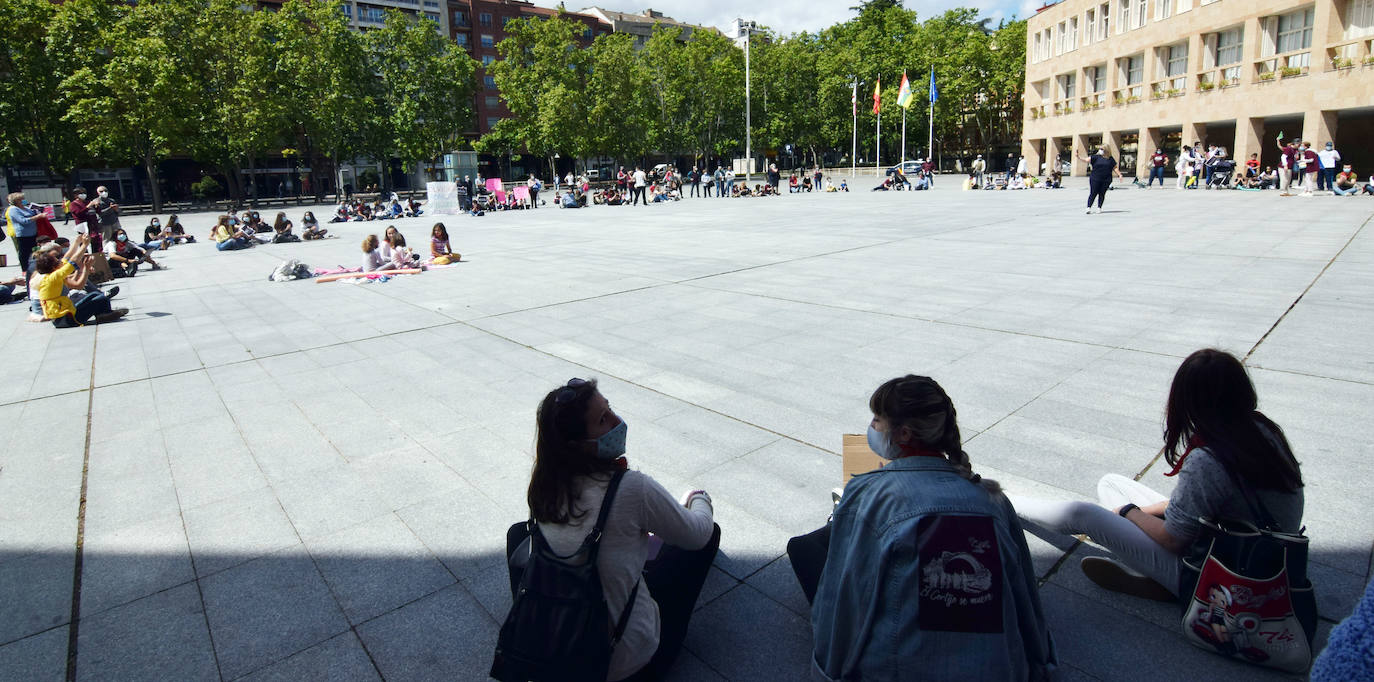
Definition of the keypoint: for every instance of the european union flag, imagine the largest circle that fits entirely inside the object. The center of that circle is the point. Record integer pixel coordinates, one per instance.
(934, 92)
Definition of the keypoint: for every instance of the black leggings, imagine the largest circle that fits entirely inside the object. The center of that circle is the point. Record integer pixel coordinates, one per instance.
(23, 247)
(1097, 189)
(674, 579)
(807, 554)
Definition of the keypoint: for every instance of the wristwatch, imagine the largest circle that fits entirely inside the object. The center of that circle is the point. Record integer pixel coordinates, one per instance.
(1127, 510)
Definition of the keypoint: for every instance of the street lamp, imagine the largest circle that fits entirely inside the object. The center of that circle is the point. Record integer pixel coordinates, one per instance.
(747, 28)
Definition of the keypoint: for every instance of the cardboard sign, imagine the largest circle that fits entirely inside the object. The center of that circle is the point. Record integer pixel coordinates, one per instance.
(858, 457)
(100, 269)
(442, 198)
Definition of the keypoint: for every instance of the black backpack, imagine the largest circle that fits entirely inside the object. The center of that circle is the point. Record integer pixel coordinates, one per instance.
(559, 627)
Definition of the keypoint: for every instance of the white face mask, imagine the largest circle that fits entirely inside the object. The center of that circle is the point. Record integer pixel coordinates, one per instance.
(104, 195)
(81, 196)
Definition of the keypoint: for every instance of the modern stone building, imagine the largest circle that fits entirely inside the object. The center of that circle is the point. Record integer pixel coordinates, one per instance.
(1145, 74)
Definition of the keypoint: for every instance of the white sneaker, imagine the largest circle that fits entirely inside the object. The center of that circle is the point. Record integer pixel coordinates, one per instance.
(1088, 212)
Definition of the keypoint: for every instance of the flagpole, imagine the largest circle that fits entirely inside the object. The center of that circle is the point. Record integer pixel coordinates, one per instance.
(903, 134)
(930, 134)
(878, 146)
(854, 154)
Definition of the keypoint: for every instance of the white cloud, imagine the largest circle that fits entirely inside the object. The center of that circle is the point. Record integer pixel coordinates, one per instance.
(784, 16)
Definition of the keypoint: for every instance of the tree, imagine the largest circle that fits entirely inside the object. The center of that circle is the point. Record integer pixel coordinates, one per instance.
(322, 56)
(45, 43)
(542, 76)
(427, 86)
(138, 110)
(619, 117)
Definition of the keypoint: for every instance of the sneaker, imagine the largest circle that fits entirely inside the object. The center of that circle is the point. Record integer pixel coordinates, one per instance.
(111, 316)
(114, 291)
(1088, 212)
(1111, 575)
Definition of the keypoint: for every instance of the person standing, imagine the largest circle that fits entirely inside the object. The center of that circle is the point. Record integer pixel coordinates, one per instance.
(1330, 161)
(816, 178)
(84, 216)
(720, 181)
(1287, 162)
(535, 185)
(1157, 163)
(1308, 163)
(706, 181)
(21, 222)
(979, 167)
(641, 181)
(1101, 168)
(1011, 167)
(107, 214)
(928, 172)
(695, 179)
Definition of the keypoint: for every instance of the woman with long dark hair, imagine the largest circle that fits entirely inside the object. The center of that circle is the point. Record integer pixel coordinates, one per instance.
(579, 445)
(924, 562)
(1215, 441)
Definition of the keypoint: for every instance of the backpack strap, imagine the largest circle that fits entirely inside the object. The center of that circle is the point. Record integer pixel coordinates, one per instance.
(593, 542)
(1257, 508)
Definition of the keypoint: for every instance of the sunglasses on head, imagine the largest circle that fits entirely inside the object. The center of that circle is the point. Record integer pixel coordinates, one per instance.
(569, 391)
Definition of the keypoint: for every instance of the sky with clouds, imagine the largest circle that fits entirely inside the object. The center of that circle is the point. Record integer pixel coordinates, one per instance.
(791, 16)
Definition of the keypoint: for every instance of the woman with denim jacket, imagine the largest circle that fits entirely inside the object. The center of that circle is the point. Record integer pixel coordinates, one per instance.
(926, 573)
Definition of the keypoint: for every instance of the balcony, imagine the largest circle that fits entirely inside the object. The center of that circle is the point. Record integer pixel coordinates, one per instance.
(1092, 102)
(1128, 95)
(1169, 88)
(1286, 65)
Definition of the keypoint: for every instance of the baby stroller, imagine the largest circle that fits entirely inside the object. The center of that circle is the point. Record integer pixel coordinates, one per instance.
(1221, 174)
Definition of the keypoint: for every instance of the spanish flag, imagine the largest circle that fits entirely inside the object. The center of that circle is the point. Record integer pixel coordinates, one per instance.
(877, 97)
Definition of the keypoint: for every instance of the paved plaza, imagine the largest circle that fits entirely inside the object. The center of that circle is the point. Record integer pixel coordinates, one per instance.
(302, 481)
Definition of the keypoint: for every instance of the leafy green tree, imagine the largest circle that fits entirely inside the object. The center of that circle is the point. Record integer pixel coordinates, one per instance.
(619, 113)
(45, 43)
(137, 112)
(334, 101)
(542, 76)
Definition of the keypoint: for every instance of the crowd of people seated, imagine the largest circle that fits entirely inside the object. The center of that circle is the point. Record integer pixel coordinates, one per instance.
(922, 561)
(378, 209)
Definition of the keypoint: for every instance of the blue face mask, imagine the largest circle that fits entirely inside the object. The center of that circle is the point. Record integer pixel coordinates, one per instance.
(879, 443)
(612, 443)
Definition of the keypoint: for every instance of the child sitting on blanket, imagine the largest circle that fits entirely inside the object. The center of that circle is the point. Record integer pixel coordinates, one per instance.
(439, 249)
(394, 249)
(372, 257)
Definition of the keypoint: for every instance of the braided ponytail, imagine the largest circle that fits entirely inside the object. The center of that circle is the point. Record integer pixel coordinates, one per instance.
(920, 404)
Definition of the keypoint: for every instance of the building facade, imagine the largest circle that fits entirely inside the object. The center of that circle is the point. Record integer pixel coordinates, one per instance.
(640, 24)
(1140, 75)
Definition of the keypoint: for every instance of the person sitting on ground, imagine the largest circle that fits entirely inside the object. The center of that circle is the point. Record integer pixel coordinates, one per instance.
(655, 552)
(793, 184)
(373, 261)
(885, 186)
(283, 229)
(310, 227)
(439, 249)
(1369, 186)
(340, 214)
(177, 232)
(844, 185)
(923, 559)
(396, 211)
(125, 256)
(1215, 440)
(413, 208)
(394, 249)
(155, 237)
(7, 294)
(249, 225)
(228, 236)
(1017, 182)
(1268, 178)
(568, 200)
(52, 273)
(1347, 183)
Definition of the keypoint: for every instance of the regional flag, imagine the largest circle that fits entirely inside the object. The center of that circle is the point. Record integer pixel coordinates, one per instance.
(877, 101)
(904, 94)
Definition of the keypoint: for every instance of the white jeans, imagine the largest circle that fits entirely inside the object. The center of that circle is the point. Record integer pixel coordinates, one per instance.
(1100, 521)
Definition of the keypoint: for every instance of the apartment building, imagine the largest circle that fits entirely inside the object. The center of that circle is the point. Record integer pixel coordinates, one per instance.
(640, 24)
(1140, 75)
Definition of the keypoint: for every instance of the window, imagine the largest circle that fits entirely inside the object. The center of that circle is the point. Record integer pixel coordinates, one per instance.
(492, 121)
(432, 17)
(488, 41)
(587, 33)
(1139, 13)
(461, 39)
(484, 18)
(1099, 77)
(489, 82)
(460, 18)
(1176, 60)
(1066, 86)
(1090, 26)
(487, 59)
(1102, 16)
(1073, 34)
(347, 10)
(1038, 53)
(1164, 9)
(1229, 53)
(1132, 72)
(1123, 20)
(505, 20)
(1359, 19)
(1295, 31)
(493, 102)
(1063, 45)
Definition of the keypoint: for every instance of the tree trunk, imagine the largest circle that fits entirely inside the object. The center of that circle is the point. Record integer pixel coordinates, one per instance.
(150, 167)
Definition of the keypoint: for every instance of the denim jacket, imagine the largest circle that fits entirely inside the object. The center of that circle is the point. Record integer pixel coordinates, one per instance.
(928, 576)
